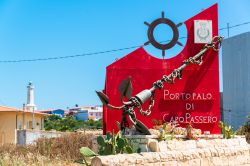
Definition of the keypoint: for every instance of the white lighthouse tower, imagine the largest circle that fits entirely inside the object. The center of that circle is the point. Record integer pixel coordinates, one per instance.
(30, 106)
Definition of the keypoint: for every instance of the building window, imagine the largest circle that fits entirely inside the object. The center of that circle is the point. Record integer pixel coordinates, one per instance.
(19, 125)
(29, 125)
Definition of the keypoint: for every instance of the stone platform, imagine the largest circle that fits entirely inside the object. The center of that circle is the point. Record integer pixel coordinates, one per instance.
(212, 152)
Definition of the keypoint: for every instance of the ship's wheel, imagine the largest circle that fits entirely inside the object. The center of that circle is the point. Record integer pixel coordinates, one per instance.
(159, 45)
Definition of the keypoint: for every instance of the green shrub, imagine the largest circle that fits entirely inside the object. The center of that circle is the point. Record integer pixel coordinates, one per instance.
(227, 131)
(69, 123)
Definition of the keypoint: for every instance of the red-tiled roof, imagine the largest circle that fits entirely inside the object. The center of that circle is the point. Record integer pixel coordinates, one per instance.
(7, 109)
(11, 109)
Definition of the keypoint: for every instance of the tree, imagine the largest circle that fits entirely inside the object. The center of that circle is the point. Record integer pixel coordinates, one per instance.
(69, 123)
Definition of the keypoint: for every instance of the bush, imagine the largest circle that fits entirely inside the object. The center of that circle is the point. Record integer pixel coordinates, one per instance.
(226, 130)
(66, 146)
(69, 123)
(47, 151)
(245, 130)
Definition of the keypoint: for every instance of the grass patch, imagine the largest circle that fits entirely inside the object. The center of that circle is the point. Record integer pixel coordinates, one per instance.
(47, 151)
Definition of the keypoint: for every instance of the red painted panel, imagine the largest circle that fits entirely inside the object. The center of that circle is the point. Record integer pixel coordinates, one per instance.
(194, 98)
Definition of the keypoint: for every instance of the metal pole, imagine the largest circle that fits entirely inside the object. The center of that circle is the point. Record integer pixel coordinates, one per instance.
(16, 119)
(33, 108)
(24, 123)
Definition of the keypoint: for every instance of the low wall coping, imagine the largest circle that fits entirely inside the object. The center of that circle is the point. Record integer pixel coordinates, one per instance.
(141, 136)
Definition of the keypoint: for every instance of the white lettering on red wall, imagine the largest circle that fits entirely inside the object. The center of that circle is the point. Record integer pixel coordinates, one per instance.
(189, 99)
(187, 118)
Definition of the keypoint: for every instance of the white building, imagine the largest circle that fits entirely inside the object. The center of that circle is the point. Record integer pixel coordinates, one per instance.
(95, 112)
(30, 105)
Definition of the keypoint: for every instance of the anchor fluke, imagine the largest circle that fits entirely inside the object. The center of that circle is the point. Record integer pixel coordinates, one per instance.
(104, 98)
(125, 88)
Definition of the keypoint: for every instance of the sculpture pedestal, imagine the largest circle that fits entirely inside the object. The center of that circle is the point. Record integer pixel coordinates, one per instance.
(142, 141)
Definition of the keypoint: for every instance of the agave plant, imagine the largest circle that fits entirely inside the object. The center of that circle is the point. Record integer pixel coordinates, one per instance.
(227, 131)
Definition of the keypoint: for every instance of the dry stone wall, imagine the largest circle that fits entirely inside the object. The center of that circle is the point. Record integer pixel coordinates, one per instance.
(216, 152)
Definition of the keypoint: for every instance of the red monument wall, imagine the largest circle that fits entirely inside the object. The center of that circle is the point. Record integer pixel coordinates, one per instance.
(193, 99)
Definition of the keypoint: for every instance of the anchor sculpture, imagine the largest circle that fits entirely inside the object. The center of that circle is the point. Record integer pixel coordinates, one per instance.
(135, 102)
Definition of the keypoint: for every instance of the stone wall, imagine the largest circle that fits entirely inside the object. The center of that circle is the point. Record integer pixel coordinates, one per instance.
(25, 137)
(214, 152)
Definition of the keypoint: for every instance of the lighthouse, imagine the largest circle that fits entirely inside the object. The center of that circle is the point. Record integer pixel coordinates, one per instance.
(30, 106)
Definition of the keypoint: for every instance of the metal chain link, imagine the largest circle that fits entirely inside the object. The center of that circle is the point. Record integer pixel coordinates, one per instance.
(151, 105)
(167, 79)
(132, 115)
(215, 41)
(158, 84)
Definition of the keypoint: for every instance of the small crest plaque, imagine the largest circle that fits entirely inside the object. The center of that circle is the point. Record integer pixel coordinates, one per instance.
(202, 31)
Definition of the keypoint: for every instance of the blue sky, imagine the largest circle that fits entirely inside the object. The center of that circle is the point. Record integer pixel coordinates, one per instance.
(49, 28)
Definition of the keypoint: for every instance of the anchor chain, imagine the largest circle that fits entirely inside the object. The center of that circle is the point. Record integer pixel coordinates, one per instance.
(177, 73)
(150, 107)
